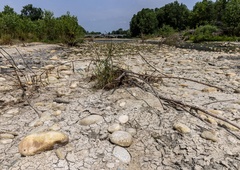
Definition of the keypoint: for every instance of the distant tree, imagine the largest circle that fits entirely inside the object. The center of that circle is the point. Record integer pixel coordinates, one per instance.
(7, 10)
(32, 12)
(220, 8)
(69, 29)
(175, 15)
(203, 13)
(231, 16)
(145, 22)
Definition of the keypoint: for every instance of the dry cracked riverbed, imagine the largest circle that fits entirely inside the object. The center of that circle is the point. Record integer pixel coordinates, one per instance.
(95, 121)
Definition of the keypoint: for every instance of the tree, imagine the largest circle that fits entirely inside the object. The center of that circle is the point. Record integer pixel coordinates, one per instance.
(220, 7)
(7, 10)
(175, 15)
(69, 29)
(145, 22)
(31, 12)
(203, 13)
(231, 16)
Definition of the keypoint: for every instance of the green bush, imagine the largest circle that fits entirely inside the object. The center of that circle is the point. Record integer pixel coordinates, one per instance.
(166, 31)
(64, 29)
(6, 39)
(204, 33)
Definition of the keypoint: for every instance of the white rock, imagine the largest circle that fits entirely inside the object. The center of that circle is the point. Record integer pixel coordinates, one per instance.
(21, 67)
(181, 128)
(122, 104)
(74, 85)
(114, 127)
(123, 119)
(121, 138)
(13, 111)
(92, 119)
(110, 165)
(132, 131)
(6, 141)
(6, 136)
(122, 154)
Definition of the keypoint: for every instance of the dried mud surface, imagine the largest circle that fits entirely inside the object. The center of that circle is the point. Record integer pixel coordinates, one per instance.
(68, 97)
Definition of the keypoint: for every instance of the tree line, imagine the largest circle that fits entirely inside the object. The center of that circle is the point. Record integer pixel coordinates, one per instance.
(35, 24)
(221, 16)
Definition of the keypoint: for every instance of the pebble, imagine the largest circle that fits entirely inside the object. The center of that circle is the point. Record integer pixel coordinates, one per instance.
(54, 58)
(110, 165)
(123, 119)
(209, 89)
(132, 131)
(60, 154)
(92, 119)
(55, 127)
(57, 113)
(211, 120)
(122, 104)
(40, 142)
(121, 138)
(49, 67)
(122, 154)
(228, 126)
(209, 135)
(114, 127)
(6, 136)
(74, 85)
(181, 128)
(6, 141)
(13, 111)
(21, 67)
(52, 79)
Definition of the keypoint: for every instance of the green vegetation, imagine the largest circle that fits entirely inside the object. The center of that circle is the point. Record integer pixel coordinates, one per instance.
(211, 20)
(34, 24)
(105, 73)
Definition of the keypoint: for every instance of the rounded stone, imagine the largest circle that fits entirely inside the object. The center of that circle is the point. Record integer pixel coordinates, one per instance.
(132, 131)
(6, 141)
(114, 127)
(181, 128)
(92, 119)
(40, 142)
(123, 119)
(122, 104)
(209, 135)
(121, 138)
(122, 154)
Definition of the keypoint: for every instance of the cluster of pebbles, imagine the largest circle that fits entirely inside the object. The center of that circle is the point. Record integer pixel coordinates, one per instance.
(80, 127)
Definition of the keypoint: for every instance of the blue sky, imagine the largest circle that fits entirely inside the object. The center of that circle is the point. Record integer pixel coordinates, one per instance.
(95, 15)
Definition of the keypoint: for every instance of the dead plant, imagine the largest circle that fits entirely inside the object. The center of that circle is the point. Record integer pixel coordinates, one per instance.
(110, 76)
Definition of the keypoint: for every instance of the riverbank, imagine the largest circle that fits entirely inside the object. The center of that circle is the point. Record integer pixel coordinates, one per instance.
(163, 137)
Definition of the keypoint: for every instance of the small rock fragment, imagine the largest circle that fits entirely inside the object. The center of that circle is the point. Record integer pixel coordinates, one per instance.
(228, 126)
(6, 136)
(209, 135)
(132, 131)
(209, 89)
(181, 128)
(122, 104)
(122, 154)
(60, 154)
(123, 119)
(121, 138)
(92, 119)
(40, 142)
(74, 85)
(114, 127)
(6, 141)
